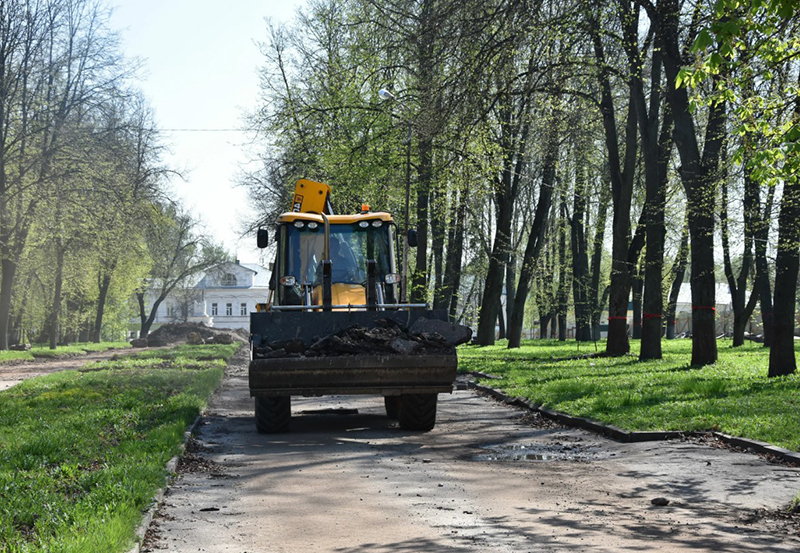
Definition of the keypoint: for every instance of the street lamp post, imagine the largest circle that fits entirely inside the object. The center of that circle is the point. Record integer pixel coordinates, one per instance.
(388, 96)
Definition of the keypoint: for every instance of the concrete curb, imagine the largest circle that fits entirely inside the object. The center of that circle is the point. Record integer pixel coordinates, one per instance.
(625, 436)
(158, 497)
(760, 447)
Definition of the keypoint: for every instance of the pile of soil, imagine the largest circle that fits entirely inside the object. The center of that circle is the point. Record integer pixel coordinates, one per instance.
(175, 333)
(387, 338)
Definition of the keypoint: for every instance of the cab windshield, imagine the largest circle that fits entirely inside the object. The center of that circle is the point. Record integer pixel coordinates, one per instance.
(351, 246)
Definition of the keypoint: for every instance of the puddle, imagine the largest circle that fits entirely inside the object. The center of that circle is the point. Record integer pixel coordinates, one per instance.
(536, 452)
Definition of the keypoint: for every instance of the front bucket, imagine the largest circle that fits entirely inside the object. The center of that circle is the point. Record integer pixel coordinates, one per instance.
(272, 326)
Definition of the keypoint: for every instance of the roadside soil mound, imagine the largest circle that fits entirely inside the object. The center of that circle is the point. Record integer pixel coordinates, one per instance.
(176, 333)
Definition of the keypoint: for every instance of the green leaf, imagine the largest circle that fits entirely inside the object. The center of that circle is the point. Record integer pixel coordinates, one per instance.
(683, 75)
(715, 61)
(703, 40)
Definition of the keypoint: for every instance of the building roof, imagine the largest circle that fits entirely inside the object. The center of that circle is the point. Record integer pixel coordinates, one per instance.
(260, 274)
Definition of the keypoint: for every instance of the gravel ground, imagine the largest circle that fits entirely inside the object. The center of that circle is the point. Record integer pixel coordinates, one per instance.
(488, 477)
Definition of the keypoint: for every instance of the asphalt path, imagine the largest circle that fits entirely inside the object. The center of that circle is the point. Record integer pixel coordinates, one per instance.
(488, 477)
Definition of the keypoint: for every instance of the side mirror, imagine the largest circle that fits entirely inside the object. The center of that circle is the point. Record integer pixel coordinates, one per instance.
(413, 241)
(262, 238)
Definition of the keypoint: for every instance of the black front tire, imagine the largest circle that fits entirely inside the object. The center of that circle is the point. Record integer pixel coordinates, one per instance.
(392, 404)
(273, 414)
(418, 411)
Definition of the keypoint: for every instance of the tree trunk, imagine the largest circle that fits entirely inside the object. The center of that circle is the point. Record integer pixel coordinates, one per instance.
(455, 251)
(580, 261)
(145, 318)
(105, 284)
(493, 287)
(564, 278)
(704, 333)
(699, 175)
(781, 354)
(55, 311)
(544, 322)
(670, 332)
(504, 199)
(762, 268)
(656, 151)
(622, 191)
(740, 320)
(6, 283)
(636, 289)
(426, 82)
(419, 281)
(782, 360)
(437, 246)
(737, 284)
(511, 289)
(597, 304)
(653, 208)
(617, 343)
(535, 240)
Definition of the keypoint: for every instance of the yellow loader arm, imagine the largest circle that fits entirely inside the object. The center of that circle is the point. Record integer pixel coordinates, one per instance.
(312, 197)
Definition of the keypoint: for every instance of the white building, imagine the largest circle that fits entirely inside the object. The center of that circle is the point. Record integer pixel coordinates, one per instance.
(224, 297)
(230, 292)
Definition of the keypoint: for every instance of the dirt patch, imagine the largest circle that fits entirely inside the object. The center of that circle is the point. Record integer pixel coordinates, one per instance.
(779, 521)
(14, 373)
(193, 461)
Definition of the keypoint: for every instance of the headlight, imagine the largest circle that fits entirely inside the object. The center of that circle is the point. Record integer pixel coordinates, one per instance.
(312, 225)
(377, 223)
(288, 280)
(391, 278)
(299, 224)
(363, 224)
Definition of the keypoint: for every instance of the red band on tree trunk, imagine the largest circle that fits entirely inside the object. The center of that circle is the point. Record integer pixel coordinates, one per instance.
(651, 315)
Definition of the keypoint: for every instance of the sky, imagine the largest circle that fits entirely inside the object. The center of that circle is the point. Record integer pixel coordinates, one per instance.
(199, 71)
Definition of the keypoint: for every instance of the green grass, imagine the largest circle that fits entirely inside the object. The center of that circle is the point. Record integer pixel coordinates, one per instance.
(6, 356)
(44, 351)
(81, 453)
(199, 352)
(733, 396)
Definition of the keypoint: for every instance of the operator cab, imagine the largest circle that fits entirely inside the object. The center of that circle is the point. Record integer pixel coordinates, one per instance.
(354, 241)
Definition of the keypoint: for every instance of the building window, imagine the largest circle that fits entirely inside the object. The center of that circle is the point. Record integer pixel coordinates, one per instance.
(229, 279)
(229, 309)
(214, 309)
(243, 310)
(170, 310)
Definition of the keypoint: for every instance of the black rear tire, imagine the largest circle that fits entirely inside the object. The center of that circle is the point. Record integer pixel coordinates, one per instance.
(418, 411)
(392, 404)
(273, 414)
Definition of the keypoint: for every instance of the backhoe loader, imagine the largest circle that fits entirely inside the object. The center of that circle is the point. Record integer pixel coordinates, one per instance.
(331, 273)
